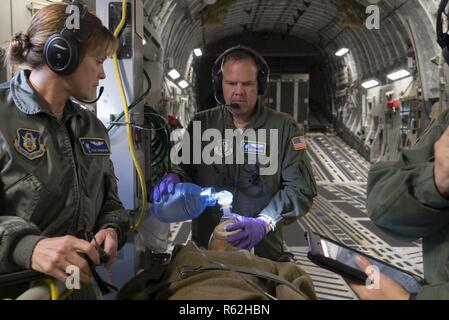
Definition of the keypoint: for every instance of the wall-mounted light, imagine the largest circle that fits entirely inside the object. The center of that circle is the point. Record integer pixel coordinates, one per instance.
(370, 84)
(198, 52)
(144, 42)
(174, 74)
(342, 52)
(183, 84)
(398, 75)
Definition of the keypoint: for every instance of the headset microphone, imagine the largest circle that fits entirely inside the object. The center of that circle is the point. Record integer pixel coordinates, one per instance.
(93, 101)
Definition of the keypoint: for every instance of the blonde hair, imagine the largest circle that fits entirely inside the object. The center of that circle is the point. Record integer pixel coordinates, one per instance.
(27, 48)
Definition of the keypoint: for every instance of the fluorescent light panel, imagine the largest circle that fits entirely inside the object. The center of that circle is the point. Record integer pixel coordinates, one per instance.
(370, 84)
(398, 75)
(174, 74)
(198, 52)
(342, 52)
(183, 84)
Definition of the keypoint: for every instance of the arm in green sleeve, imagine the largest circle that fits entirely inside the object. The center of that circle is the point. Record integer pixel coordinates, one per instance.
(18, 237)
(298, 189)
(402, 197)
(17, 241)
(112, 214)
(434, 292)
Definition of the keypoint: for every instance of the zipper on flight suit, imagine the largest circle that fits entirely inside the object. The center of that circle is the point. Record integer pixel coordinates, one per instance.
(75, 165)
(228, 171)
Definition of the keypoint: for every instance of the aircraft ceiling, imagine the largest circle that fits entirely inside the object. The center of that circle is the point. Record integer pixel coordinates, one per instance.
(183, 25)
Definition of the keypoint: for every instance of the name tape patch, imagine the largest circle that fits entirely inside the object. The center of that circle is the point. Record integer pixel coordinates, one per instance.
(254, 147)
(95, 147)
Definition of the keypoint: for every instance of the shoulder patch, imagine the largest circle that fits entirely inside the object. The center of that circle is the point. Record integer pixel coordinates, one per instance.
(95, 147)
(299, 143)
(28, 144)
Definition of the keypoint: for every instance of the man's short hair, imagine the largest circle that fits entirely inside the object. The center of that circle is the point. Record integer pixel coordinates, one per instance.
(238, 55)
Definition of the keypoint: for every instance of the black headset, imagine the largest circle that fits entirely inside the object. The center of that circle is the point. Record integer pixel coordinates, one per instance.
(443, 36)
(263, 74)
(61, 50)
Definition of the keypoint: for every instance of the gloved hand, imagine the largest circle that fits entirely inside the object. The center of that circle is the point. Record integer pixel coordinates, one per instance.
(165, 187)
(253, 230)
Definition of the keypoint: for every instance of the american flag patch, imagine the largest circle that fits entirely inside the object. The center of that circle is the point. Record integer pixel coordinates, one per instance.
(299, 143)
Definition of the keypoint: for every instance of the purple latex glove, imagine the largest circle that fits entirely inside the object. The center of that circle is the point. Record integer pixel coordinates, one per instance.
(165, 187)
(253, 230)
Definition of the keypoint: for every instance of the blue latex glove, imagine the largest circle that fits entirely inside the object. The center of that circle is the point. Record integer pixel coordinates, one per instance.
(253, 230)
(165, 187)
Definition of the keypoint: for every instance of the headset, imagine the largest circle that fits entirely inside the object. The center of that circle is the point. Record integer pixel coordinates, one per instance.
(443, 36)
(61, 49)
(263, 74)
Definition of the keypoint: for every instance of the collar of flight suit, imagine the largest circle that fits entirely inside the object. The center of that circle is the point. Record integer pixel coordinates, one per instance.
(257, 121)
(29, 101)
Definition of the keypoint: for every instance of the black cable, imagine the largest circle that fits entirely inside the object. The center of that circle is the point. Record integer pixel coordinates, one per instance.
(160, 144)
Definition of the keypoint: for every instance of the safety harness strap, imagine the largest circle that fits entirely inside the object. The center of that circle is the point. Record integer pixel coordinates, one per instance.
(187, 270)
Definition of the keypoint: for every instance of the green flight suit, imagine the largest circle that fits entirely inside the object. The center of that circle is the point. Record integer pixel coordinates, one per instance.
(199, 274)
(280, 197)
(55, 176)
(405, 203)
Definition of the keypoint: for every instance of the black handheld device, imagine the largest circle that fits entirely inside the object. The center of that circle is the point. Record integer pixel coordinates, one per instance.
(341, 259)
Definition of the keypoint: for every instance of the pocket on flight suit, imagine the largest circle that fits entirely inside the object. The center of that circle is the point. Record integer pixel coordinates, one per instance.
(22, 197)
(92, 174)
(92, 181)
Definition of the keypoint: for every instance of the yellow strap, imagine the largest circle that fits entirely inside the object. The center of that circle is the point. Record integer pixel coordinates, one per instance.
(132, 148)
(51, 283)
(65, 295)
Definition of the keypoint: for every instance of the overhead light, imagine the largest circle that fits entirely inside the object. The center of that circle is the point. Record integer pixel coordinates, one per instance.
(398, 75)
(370, 84)
(198, 52)
(174, 74)
(342, 52)
(183, 84)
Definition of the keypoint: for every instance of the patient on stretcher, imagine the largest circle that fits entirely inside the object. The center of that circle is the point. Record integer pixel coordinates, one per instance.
(222, 272)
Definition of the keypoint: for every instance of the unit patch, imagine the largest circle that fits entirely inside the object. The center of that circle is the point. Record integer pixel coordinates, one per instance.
(28, 144)
(95, 147)
(299, 143)
(224, 148)
(251, 147)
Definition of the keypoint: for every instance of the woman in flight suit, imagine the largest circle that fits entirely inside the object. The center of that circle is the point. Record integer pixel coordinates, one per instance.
(56, 176)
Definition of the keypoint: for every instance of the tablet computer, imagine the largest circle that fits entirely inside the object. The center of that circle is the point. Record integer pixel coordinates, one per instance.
(341, 259)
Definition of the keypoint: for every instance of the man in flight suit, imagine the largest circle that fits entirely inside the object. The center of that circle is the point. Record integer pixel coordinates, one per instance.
(266, 201)
(409, 199)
